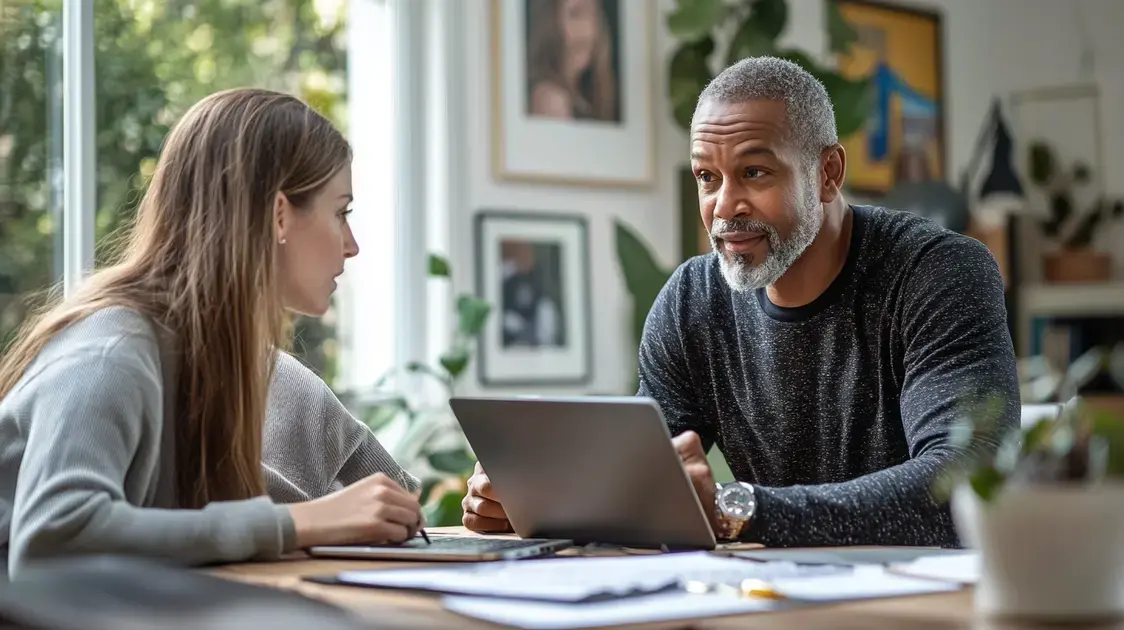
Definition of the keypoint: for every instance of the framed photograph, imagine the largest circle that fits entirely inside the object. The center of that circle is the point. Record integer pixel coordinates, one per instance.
(901, 50)
(534, 270)
(572, 92)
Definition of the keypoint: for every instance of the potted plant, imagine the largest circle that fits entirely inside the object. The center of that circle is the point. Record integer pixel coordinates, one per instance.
(1044, 504)
(409, 411)
(1075, 259)
(723, 32)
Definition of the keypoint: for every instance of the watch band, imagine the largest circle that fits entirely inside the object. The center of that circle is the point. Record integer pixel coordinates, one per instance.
(730, 527)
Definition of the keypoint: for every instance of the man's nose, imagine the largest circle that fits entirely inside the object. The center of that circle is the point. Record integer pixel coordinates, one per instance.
(730, 204)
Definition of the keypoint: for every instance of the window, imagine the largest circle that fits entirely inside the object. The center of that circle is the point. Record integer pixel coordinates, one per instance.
(31, 146)
(152, 60)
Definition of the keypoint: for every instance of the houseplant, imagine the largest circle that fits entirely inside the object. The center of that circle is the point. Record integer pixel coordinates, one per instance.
(1044, 504)
(714, 34)
(1074, 260)
(411, 416)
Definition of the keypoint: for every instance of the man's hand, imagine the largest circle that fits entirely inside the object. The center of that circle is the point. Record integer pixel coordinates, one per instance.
(690, 449)
(482, 510)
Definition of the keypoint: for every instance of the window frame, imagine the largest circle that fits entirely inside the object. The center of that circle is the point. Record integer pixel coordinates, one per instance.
(79, 154)
(407, 299)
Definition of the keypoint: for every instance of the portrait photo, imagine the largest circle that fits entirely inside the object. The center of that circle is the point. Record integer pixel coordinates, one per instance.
(531, 305)
(573, 59)
(900, 49)
(572, 92)
(533, 268)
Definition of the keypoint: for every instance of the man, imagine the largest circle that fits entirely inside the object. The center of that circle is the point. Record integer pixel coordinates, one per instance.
(825, 348)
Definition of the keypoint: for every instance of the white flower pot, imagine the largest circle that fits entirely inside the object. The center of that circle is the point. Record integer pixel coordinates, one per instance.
(1047, 553)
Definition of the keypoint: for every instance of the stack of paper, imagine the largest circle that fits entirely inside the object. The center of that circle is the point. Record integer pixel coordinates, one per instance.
(584, 579)
(588, 592)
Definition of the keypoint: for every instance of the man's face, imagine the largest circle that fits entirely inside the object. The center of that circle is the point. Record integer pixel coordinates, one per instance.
(759, 203)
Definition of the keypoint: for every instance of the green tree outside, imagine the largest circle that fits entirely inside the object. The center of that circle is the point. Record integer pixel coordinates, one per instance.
(154, 59)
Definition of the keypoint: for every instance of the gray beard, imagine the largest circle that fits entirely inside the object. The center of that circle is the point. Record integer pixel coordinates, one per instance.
(742, 272)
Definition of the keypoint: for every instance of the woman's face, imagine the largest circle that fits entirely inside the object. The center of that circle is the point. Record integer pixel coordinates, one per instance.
(313, 243)
(580, 30)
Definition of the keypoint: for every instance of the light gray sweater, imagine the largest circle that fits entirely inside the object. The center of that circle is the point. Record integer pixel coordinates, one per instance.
(87, 455)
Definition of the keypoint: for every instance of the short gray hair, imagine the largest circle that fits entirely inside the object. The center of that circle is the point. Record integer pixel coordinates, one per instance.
(810, 115)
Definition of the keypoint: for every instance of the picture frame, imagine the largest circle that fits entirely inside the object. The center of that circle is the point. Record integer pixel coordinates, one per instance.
(534, 269)
(901, 49)
(600, 132)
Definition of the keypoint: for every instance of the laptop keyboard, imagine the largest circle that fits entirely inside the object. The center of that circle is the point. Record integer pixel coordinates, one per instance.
(467, 543)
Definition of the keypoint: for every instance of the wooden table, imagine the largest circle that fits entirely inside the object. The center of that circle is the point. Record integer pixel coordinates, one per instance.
(943, 611)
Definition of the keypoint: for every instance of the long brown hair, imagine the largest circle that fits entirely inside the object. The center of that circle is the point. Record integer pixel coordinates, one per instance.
(545, 55)
(200, 264)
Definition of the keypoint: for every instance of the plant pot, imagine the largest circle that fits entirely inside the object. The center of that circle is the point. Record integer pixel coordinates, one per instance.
(1077, 265)
(1052, 554)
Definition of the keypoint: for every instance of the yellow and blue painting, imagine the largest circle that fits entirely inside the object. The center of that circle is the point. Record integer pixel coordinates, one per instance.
(903, 138)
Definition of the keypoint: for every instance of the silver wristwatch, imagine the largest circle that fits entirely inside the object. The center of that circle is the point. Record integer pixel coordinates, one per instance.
(735, 504)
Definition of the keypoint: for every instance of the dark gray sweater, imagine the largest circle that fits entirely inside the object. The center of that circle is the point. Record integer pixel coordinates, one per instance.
(839, 410)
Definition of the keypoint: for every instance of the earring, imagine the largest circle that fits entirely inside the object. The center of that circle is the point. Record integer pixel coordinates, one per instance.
(282, 241)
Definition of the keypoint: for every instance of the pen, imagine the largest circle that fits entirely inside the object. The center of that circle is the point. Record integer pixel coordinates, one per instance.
(425, 536)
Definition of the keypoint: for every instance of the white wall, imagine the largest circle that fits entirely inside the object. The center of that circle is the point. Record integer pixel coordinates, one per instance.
(991, 48)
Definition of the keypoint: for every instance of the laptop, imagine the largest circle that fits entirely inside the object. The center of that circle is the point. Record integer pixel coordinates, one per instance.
(589, 469)
(447, 548)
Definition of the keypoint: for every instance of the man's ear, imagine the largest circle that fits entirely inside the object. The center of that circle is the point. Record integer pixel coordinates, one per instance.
(833, 173)
(281, 212)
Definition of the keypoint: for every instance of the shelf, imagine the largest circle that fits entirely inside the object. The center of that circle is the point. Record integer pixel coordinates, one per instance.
(1073, 300)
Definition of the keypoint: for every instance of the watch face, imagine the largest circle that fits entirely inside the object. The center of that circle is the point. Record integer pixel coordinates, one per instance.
(737, 501)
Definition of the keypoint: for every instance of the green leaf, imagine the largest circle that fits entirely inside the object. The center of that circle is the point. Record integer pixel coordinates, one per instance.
(472, 315)
(840, 34)
(445, 513)
(453, 462)
(1110, 427)
(427, 487)
(1036, 436)
(455, 361)
(851, 100)
(770, 16)
(693, 19)
(416, 367)
(688, 74)
(986, 482)
(643, 276)
(749, 41)
(438, 266)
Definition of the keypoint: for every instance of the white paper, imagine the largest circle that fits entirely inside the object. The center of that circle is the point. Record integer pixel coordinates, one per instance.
(866, 582)
(581, 579)
(962, 568)
(645, 609)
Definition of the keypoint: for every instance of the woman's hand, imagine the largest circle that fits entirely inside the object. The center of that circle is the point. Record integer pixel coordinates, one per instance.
(375, 510)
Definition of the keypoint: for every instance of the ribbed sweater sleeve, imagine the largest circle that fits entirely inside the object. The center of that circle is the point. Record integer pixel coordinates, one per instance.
(93, 429)
(312, 445)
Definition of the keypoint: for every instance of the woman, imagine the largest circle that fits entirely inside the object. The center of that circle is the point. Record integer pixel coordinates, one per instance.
(570, 61)
(132, 415)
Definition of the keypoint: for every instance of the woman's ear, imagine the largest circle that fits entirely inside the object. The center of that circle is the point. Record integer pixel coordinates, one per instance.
(281, 216)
